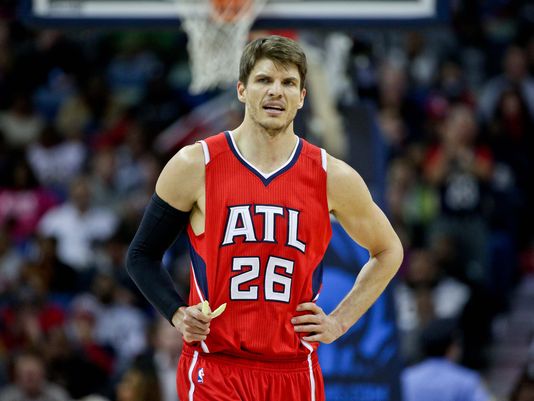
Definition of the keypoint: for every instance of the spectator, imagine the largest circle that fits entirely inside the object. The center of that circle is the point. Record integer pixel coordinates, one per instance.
(6, 160)
(412, 204)
(119, 324)
(28, 318)
(111, 261)
(78, 226)
(57, 88)
(53, 275)
(133, 161)
(422, 59)
(138, 385)
(23, 202)
(131, 69)
(460, 170)
(395, 99)
(10, 264)
(30, 382)
(510, 137)
(89, 112)
(439, 377)
(20, 124)
(56, 161)
(515, 75)
(452, 83)
(425, 294)
(103, 180)
(79, 364)
(163, 357)
(524, 389)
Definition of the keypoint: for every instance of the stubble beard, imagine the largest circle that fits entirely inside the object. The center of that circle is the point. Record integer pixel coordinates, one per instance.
(274, 128)
(273, 131)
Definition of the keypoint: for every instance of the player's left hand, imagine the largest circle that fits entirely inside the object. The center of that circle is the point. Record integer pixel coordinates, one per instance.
(320, 326)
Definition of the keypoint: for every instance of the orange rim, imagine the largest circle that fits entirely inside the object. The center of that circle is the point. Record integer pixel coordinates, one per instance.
(229, 10)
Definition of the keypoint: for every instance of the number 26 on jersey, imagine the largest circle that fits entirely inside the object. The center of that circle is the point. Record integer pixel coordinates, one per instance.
(277, 286)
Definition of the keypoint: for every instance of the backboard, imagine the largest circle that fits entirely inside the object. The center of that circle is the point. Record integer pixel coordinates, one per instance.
(342, 14)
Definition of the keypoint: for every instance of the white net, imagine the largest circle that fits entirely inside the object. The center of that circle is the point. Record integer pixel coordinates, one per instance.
(217, 32)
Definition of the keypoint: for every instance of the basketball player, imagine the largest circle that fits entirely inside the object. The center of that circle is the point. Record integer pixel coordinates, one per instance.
(256, 204)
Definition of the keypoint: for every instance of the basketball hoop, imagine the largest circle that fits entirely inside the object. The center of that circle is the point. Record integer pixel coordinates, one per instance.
(217, 32)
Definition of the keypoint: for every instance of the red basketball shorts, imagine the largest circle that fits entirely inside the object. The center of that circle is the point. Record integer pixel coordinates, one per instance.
(211, 377)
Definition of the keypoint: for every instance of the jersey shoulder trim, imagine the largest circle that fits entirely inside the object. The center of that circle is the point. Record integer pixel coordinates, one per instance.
(317, 154)
(214, 146)
(206, 151)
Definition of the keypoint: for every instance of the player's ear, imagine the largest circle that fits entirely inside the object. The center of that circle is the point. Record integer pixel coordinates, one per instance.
(241, 88)
(302, 96)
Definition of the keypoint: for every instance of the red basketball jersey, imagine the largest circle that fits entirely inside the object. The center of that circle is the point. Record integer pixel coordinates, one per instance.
(262, 249)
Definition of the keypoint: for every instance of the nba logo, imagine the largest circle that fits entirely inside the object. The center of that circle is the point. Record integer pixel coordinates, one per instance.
(200, 375)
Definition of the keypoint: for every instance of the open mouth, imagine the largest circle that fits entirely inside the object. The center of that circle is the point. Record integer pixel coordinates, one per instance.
(273, 109)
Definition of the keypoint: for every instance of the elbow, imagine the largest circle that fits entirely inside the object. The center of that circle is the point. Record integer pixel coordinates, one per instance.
(390, 259)
(138, 260)
(397, 256)
(132, 259)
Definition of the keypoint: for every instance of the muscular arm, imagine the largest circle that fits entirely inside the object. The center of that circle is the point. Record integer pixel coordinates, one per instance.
(351, 203)
(178, 190)
(181, 182)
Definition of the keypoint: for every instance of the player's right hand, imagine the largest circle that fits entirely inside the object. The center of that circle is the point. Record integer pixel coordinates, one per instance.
(192, 323)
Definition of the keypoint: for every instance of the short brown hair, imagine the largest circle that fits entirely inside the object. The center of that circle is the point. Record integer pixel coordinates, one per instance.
(279, 49)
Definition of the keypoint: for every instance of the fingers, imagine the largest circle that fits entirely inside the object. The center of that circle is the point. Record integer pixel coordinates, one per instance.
(196, 313)
(310, 322)
(309, 306)
(196, 321)
(316, 337)
(307, 328)
(317, 326)
(196, 325)
(316, 333)
(191, 338)
(316, 319)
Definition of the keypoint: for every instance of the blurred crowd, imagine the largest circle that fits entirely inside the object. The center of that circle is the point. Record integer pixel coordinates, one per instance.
(78, 115)
(81, 109)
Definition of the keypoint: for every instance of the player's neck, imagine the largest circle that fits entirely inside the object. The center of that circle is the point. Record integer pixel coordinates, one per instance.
(265, 150)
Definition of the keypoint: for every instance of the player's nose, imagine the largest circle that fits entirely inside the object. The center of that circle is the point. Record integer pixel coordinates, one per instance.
(275, 89)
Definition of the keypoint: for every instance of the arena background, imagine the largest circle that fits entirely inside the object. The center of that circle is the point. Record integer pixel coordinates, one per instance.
(94, 99)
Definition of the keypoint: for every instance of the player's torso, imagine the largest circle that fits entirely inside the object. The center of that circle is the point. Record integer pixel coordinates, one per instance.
(261, 250)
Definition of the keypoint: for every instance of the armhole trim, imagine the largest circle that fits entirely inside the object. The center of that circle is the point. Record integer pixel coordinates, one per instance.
(206, 151)
(323, 158)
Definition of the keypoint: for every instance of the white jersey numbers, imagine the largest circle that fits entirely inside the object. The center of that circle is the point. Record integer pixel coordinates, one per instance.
(252, 272)
(276, 283)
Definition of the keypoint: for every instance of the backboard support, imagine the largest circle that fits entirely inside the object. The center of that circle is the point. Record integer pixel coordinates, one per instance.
(326, 14)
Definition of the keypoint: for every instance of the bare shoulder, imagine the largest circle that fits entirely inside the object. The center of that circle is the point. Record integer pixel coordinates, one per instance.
(350, 201)
(345, 185)
(181, 181)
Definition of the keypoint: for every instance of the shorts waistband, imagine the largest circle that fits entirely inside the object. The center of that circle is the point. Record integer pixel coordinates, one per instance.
(295, 365)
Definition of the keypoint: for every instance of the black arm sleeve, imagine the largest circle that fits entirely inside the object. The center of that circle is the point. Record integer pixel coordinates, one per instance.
(159, 228)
